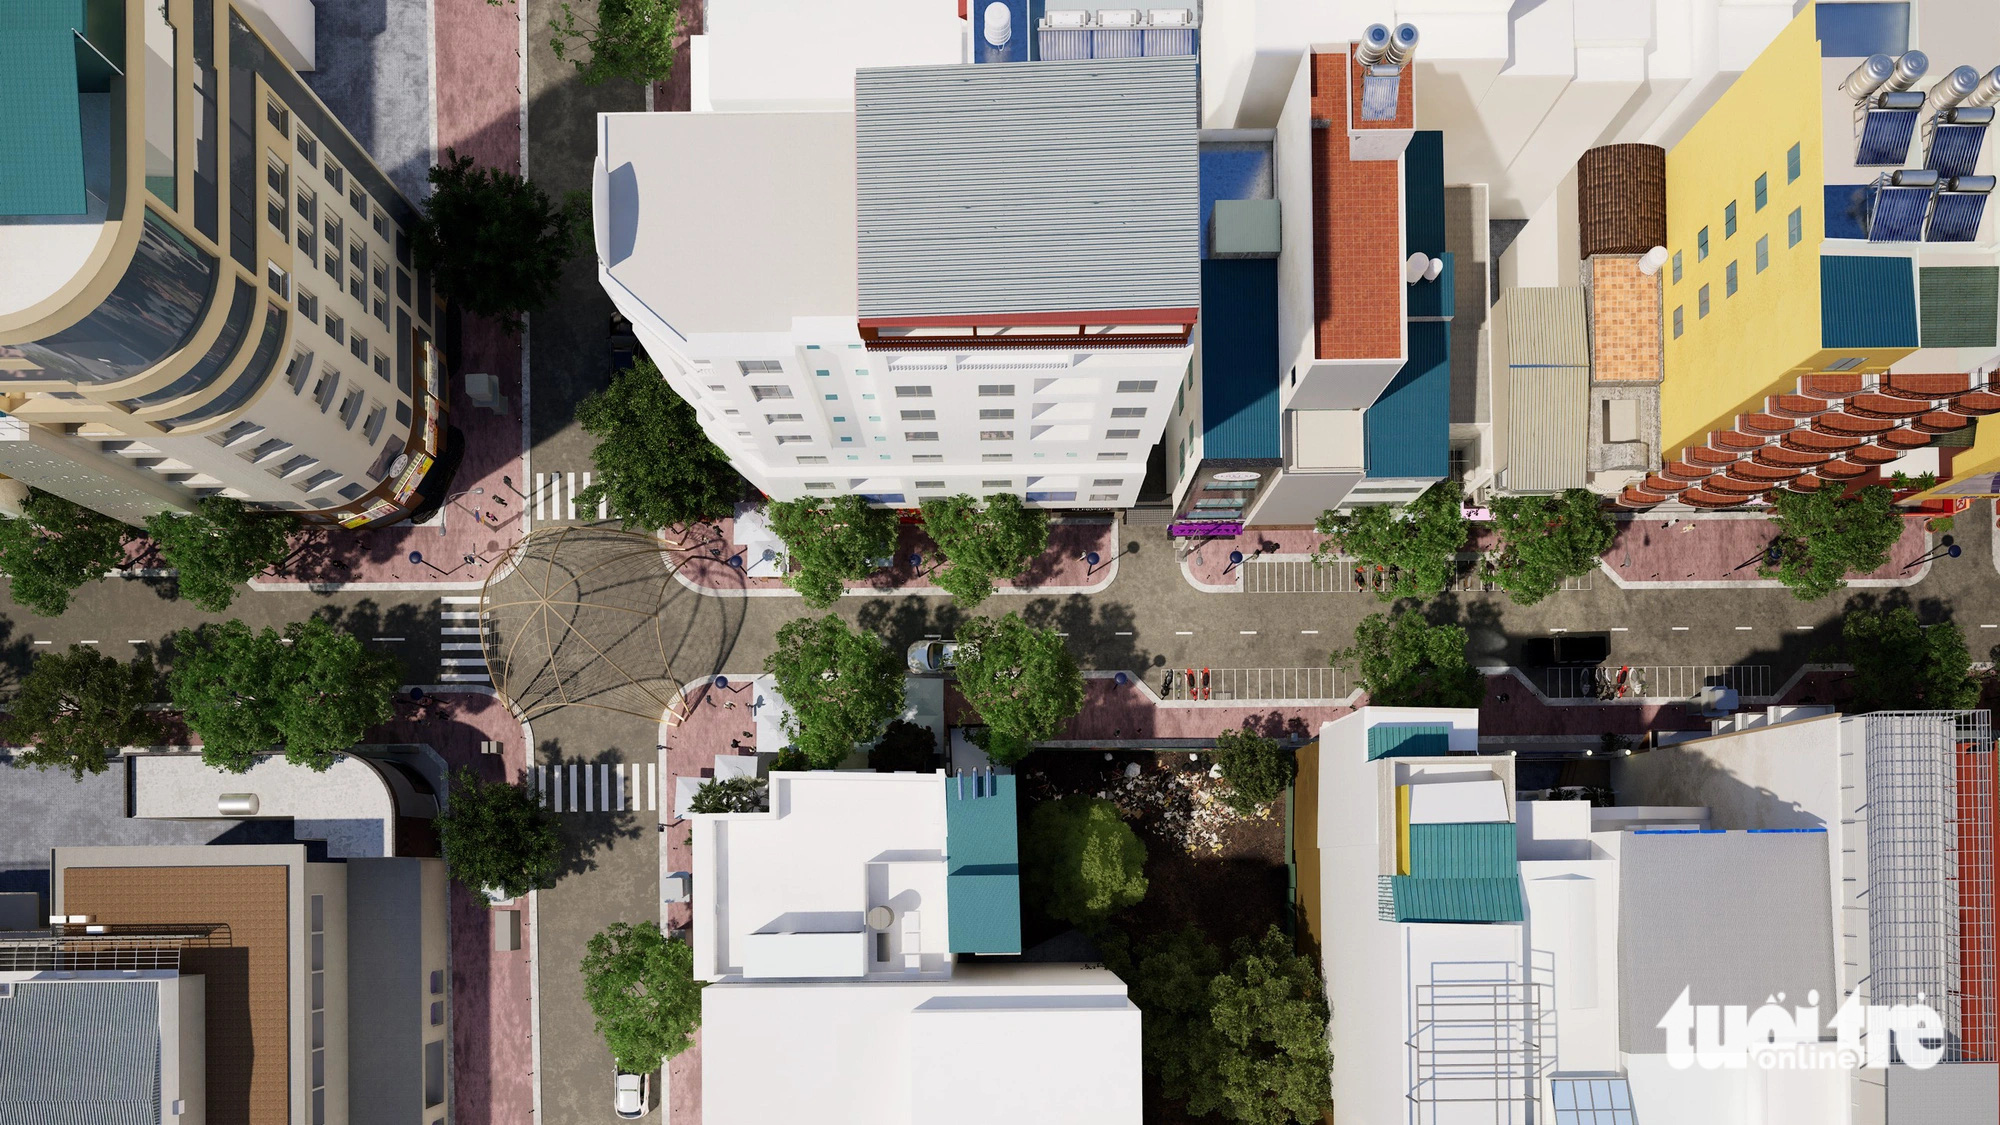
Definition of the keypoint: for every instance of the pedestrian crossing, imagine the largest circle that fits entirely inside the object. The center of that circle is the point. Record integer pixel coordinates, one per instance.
(597, 787)
(555, 497)
(461, 656)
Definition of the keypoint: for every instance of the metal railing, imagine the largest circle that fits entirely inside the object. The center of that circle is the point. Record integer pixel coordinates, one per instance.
(1264, 685)
(1654, 681)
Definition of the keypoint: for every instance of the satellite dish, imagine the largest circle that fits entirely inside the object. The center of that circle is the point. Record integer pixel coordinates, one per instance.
(1416, 267)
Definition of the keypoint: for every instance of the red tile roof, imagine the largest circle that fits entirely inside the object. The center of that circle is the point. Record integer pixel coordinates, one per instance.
(1357, 230)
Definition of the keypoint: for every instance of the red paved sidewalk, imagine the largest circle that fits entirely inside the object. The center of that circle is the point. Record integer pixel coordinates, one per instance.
(492, 1050)
(704, 552)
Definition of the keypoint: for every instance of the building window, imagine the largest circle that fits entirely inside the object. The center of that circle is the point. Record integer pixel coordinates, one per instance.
(1759, 192)
(1729, 220)
(759, 366)
(336, 328)
(1004, 414)
(1795, 227)
(761, 392)
(278, 116)
(928, 458)
(321, 479)
(819, 486)
(811, 460)
(1108, 482)
(382, 366)
(991, 458)
(996, 435)
(913, 392)
(1792, 164)
(1701, 245)
(351, 491)
(1128, 412)
(931, 484)
(1677, 265)
(1763, 252)
(1136, 386)
(799, 439)
(996, 390)
(1111, 457)
(1121, 435)
(774, 419)
(323, 391)
(270, 447)
(1701, 303)
(335, 178)
(292, 466)
(358, 199)
(235, 433)
(1104, 496)
(920, 435)
(372, 429)
(996, 484)
(350, 408)
(1848, 363)
(358, 290)
(308, 148)
(279, 281)
(1679, 320)
(919, 415)
(833, 398)
(358, 345)
(1729, 280)
(840, 418)
(308, 305)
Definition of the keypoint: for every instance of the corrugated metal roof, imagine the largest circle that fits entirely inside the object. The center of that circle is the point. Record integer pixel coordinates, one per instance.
(81, 1052)
(1239, 357)
(1867, 302)
(40, 131)
(1035, 187)
(1463, 851)
(1457, 900)
(1546, 327)
(983, 882)
(1409, 427)
(1548, 424)
(1960, 307)
(1413, 740)
(1423, 193)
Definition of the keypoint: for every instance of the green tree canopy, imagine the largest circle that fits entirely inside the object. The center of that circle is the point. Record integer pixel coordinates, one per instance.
(654, 464)
(76, 709)
(1822, 537)
(982, 545)
(731, 794)
(1256, 768)
(1422, 539)
(1546, 539)
(640, 984)
(831, 544)
(312, 692)
(1021, 679)
(1080, 861)
(54, 548)
(1901, 664)
(630, 39)
(495, 243)
(221, 545)
(1247, 1041)
(842, 684)
(496, 835)
(904, 746)
(1405, 661)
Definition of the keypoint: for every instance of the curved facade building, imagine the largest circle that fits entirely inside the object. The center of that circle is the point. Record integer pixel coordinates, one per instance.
(206, 284)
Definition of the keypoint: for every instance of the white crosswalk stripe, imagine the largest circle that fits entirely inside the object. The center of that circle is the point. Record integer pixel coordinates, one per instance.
(598, 787)
(554, 496)
(461, 656)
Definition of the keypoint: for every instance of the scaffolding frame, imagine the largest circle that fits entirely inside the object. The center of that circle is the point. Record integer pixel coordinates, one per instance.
(1930, 790)
(105, 948)
(1476, 1039)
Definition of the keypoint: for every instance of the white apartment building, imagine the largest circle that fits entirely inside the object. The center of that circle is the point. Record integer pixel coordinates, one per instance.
(226, 306)
(911, 280)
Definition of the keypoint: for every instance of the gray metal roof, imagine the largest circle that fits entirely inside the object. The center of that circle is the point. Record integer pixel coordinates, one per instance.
(1546, 327)
(1548, 424)
(1733, 917)
(1028, 187)
(80, 1052)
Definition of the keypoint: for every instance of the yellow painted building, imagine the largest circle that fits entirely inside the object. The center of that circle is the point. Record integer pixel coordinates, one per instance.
(1975, 472)
(1750, 304)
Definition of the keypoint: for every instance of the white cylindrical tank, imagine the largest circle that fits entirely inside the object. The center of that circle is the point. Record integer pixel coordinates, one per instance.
(1911, 66)
(999, 24)
(1402, 44)
(1952, 89)
(1374, 45)
(1869, 76)
(1988, 91)
(1651, 261)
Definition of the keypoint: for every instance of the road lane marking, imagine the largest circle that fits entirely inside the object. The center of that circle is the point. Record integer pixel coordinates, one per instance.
(86, 642)
(1808, 627)
(1744, 628)
(1309, 632)
(44, 642)
(1246, 632)
(1177, 633)
(1680, 628)
(386, 638)
(1123, 633)
(1620, 629)
(1558, 630)
(137, 641)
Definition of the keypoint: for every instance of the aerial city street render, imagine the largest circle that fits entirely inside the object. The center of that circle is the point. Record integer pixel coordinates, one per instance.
(999, 562)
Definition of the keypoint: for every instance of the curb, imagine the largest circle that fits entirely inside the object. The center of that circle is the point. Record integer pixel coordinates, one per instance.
(340, 587)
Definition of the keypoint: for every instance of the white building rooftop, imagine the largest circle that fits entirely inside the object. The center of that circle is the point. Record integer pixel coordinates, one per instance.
(802, 54)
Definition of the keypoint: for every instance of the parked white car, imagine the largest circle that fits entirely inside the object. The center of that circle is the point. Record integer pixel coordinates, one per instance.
(629, 1097)
(933, 658)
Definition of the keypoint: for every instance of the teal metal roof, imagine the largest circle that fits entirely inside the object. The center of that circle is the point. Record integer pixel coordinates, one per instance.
(1239, 358)
(1457, 900)
(1423, 193)
(1867, 302)
(41, 133)
(1463, 851)
(1412, 740)
(982, 849)
(1408, 430)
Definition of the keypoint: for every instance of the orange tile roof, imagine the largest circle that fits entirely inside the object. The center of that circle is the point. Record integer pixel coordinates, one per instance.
(247, 986)
(1357, 230)
(1624, 322)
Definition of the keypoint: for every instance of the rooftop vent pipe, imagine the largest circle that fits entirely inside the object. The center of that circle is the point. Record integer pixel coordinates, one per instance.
(1402, 44)
(1952, 89)
(1374, 45)
(1910, 67)
(1988, 91)
(1868, 77)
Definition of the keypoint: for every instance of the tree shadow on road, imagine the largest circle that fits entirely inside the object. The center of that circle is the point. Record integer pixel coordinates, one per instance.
(585, 834)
